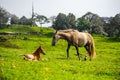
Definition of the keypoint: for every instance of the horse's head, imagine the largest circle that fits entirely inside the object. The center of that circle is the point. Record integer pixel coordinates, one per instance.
(42, 50)
(56, 37)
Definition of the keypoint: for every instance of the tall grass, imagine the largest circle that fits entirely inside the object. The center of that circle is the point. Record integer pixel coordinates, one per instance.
(56, 66)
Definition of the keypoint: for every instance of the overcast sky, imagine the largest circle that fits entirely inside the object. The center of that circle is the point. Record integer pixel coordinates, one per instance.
(104, 8)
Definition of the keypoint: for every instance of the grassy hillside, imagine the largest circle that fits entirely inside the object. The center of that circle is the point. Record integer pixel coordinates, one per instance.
(56, 66)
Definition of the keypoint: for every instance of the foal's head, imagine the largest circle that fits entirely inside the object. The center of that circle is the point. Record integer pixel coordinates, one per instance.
(40, 50)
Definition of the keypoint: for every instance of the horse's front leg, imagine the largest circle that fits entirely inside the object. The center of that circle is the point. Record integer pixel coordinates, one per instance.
(68, 51)
(77, 52)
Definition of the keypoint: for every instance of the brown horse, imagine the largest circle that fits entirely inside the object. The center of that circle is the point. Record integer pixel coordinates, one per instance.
(77, 39)
(35, 55)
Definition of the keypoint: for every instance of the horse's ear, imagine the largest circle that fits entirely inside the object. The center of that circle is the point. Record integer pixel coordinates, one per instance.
(56, 31)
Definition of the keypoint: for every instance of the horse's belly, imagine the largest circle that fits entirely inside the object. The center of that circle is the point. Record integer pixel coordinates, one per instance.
(29, 56)
(80, 44)
(82, 40)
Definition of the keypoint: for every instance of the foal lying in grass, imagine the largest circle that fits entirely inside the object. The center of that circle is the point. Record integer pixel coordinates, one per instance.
(36, 55)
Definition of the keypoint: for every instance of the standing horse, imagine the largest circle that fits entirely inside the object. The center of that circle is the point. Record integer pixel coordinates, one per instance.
(35, 55)
(77, 39)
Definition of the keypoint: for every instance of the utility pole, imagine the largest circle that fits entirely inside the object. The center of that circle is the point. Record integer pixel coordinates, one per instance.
(32, 14)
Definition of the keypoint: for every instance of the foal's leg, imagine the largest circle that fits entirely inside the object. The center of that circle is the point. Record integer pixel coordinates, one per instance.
(27, 59)
(77, 52)
(68, 51)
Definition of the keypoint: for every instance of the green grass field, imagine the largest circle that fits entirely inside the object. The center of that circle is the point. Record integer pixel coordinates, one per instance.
(106, 66)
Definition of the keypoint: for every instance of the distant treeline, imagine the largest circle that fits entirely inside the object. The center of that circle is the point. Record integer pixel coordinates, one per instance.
(90, 22)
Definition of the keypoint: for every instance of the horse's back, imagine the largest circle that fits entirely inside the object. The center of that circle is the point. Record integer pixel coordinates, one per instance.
(89, 37)
(79, 38)
(83, 38)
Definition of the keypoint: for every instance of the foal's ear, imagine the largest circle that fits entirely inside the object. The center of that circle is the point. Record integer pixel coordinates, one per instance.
(40, 46)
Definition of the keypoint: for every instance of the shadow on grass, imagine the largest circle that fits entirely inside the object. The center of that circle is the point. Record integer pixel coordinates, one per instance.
(62, 58)
(50, 34)
(114, 39)
(2, 77)
(66, 59)
(9, 44)
(110, 39)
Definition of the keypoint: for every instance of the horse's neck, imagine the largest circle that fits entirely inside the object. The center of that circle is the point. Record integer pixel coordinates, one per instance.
(65, 35)
(36, 53)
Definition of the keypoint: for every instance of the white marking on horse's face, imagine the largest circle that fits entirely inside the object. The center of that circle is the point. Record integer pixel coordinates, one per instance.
(55, 39)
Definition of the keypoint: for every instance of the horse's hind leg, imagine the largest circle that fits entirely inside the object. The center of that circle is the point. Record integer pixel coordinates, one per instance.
(86, 55)
(87, 47)
(68, 51)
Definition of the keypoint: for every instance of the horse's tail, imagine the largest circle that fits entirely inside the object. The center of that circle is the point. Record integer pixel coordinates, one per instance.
(92, 48)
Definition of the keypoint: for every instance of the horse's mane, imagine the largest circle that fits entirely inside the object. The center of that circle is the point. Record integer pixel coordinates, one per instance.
(67, 31)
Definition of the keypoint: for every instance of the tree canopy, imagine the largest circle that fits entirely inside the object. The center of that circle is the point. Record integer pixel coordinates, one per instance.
(83, 25)
(4, 16)
(90, 22)
(63, 21)
(96, 23)
(41, 19)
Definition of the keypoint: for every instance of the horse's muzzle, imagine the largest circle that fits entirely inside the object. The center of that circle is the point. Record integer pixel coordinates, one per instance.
(44, 53)
(53, 44)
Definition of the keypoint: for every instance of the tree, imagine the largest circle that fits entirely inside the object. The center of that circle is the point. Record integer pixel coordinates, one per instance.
(114, 26)
(52, 19)
(64, 22)
(83, 24)
(41, 19)
(14, 19)
(96, 23)
(29, 21)
(23, 20)
(4, 16)
(26, 21)
(59, 23)
(71, 21)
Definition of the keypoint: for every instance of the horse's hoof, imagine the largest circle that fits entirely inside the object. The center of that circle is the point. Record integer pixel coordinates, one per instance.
(85, 59)
(35, 60)
(90, 59)
(68, 58)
